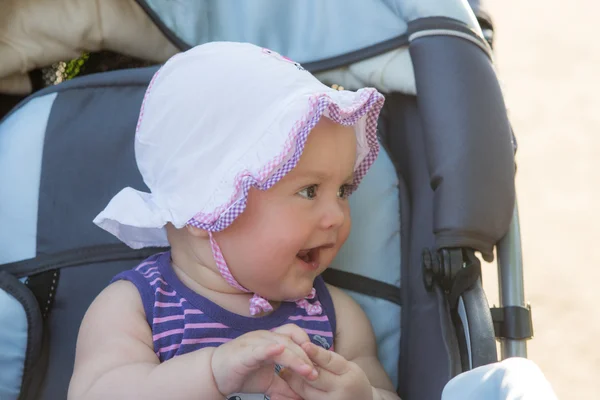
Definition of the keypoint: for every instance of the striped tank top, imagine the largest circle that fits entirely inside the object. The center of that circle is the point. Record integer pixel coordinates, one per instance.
(183, 321)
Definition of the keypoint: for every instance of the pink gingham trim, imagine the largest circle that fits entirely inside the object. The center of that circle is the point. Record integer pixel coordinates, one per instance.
(370, 103)
(312, 308)
(222, 265)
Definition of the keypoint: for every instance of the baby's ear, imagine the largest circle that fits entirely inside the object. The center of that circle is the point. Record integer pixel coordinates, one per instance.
(196, 232)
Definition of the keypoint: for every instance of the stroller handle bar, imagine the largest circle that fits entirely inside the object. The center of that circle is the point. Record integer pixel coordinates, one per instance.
(510, 279)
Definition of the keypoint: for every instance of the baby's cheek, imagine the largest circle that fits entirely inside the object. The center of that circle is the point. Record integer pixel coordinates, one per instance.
(345, 230)
(329, 255)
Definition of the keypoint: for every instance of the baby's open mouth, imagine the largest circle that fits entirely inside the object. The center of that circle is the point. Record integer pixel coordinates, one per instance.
(308, 255)
(312, 255)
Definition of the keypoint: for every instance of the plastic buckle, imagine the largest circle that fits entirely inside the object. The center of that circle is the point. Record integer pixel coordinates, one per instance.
(454, 270)
(513, 322)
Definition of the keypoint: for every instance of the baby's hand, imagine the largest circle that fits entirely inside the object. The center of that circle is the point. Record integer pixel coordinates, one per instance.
(246, 364)
(338, 379)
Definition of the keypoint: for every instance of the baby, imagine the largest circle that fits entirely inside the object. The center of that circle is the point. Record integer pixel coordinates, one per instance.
(250, 161)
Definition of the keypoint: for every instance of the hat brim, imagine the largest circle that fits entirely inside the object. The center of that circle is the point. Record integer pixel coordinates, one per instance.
(136, 219)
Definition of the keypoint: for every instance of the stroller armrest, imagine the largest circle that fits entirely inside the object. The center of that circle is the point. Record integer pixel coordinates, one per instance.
(467, 137)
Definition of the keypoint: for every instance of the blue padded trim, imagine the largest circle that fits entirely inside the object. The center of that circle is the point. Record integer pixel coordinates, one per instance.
(13, 345)
(374, 242)
(125, 77)
(21, 146)
(296, 28)
(20, 338)
(373, 250)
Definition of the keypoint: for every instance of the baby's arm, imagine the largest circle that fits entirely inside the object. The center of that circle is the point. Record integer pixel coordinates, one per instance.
(115, 357)
(355, 341)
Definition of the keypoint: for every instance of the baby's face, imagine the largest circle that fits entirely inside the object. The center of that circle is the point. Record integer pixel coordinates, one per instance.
(290, 233)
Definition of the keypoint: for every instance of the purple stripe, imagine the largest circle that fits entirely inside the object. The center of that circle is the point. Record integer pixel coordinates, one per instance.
(158, 320)
(168, 348)
(322, 333)
(171, 293)
(142, 265)
(192, 341)
(161, 280)
(150, 274)
(206, 325)
(192, 311)
(322, 318)
(201, 325)
(149, 270)
(206, 340)
(168, 333)
(161, 304)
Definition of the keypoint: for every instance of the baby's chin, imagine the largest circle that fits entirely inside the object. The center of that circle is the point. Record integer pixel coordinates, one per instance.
(292, 294)
(288, 290)
(299, 293)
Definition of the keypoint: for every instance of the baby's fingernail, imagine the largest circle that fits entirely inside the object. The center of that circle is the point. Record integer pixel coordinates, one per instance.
(314, 374)
(284, 373)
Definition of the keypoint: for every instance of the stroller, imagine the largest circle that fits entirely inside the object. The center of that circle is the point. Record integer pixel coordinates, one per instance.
(442, 190)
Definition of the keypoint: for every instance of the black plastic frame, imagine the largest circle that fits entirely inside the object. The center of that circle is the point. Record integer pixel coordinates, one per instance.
(32, 370)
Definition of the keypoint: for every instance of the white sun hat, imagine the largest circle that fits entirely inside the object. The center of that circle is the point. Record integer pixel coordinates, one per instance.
(217, 120)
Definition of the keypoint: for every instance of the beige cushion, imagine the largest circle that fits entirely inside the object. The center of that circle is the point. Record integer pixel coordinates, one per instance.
(38, 33)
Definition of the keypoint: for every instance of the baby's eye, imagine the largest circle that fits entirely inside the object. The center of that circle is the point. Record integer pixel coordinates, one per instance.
(309, 192)
(344, 191)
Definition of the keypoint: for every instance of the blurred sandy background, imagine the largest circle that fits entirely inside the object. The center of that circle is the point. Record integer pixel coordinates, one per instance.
(548, 59)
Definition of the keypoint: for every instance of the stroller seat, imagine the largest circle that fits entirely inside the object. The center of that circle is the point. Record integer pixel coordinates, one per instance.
(80, 246)
(442, 189)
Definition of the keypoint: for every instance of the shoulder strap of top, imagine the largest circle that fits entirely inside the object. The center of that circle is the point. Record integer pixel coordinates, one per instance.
(141, 277)
(325, 298)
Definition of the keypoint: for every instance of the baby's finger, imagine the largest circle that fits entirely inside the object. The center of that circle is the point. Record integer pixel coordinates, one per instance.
(294, 332)
(280, 390)
(284, 397)
(291, 345)
(325, 382)
(326, 359)
(289, 359)
(255, 356)
(302, 386)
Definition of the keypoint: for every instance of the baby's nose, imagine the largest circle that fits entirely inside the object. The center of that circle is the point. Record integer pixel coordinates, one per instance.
(334, 216)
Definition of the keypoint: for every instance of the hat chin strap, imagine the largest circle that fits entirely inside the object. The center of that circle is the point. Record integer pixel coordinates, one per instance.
(259, 304)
